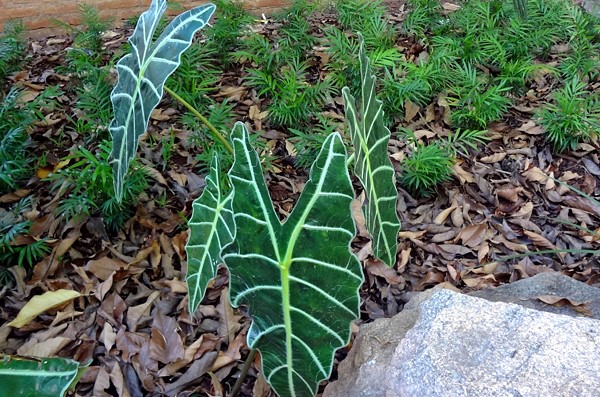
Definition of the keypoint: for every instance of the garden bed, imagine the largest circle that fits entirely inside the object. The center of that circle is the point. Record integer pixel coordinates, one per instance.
(494, 120)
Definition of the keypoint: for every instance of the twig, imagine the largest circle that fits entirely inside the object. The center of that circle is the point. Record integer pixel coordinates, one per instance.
(243, 374)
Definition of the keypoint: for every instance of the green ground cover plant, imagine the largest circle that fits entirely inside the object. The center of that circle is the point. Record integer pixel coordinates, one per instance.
(572, 117)
(12, 49)
(88, 36)
(13, 249)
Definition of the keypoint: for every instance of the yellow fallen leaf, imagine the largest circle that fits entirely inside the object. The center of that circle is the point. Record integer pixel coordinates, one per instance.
(41, 303)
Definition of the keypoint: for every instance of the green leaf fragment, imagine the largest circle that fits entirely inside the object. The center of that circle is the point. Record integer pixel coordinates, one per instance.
(36, 377)
(298, 278)
(211, 228)
(142, 75)
(372, 165)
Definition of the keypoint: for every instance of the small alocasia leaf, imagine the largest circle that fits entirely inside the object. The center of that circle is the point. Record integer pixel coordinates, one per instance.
(299, 279)
(372, 165)
(40, 377)
(211, 228)
(142, 75)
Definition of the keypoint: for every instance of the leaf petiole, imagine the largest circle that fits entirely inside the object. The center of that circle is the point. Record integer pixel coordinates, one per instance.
(215, 133)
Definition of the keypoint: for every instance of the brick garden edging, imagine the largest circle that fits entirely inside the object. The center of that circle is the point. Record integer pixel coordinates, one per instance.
(37, 15)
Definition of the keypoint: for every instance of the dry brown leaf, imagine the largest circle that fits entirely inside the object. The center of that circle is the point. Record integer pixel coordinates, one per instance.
(135, 313)
(158, 115)
(412, 235)
(424, 134)
(488, 268)
(524, 211)
(450, 6)
(261, 388)
(462, 175)
(116, 377)
(232, 93)
(166, 345)
(101, 384)
(430, 113)
(14, 196)
(42, 303)
(444, 236)
(156, 175)
(534, 174)
(410, 110)
(378, 268)
(473, 235)
(569, 176)
(45, 348)
(229, 322)
(102, 268)
(538, 240)
(457, 217)
(359, 216)
(510, 193)
(442, 216)
(494, 158)
(454, 249)
(404, 257)
(559, 301)
(216, 385)
(108, 336)
(530, 128)
(510, 245)
(430, 278)
(484, 249)
(581, 203)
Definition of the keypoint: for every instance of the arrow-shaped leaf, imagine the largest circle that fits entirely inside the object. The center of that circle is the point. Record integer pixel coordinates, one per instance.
(142, 75)
(372, 165)
(211, 228)
(298, 279)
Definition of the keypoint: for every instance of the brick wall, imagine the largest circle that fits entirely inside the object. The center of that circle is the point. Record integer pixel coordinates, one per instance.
(37, 15)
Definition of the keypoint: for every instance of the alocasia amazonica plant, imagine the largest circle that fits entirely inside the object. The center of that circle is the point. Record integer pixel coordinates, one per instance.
(298, 278)
(142, 75)
(372, 164)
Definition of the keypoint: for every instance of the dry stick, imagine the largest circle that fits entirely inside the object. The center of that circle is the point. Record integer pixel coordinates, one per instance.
(196, 113)
(243, 374)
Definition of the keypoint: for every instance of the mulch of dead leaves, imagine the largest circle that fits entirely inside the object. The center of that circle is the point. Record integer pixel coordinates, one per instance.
(132, 319)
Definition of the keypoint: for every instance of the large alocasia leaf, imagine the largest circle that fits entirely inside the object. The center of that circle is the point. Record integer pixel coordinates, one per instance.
(142, 75)
(40, 377)
(372, 165)
(211, 228)
(298, 279)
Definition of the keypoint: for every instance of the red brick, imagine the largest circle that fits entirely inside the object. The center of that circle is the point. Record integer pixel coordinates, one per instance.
(38, 14)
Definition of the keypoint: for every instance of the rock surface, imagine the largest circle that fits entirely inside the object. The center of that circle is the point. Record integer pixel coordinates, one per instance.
(592, 6)
(453, 345)
(534, 293)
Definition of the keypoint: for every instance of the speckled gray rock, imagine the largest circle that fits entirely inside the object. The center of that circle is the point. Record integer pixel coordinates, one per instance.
(452, 345)
(592, 6)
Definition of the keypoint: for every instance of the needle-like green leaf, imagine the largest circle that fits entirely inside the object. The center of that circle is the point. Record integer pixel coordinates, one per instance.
(298, 279)
(372, 165)
(211, 228)
(142, 75)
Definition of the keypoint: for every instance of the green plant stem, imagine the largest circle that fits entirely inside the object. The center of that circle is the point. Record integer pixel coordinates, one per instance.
(244, 373)
(350, 160)
(218, 136)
